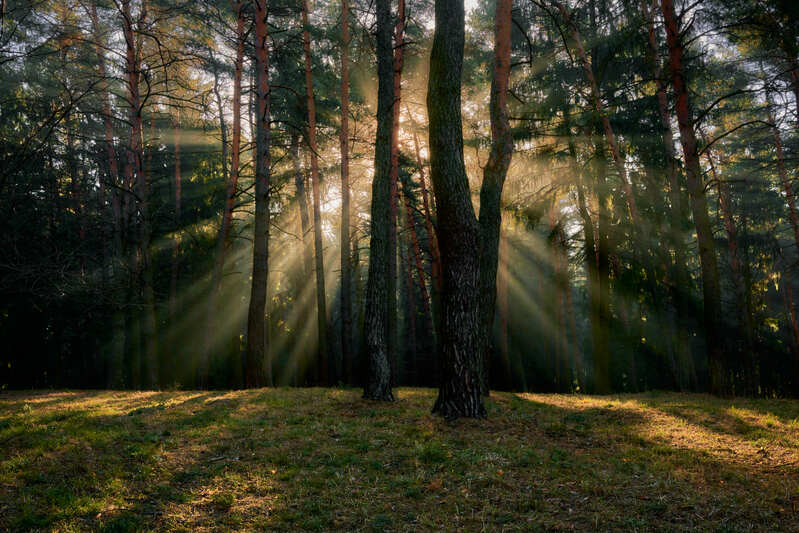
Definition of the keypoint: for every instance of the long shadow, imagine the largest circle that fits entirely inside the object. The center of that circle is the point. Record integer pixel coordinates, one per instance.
(320, 459)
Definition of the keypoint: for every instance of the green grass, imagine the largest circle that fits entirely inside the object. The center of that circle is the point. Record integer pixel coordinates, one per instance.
(323, 459)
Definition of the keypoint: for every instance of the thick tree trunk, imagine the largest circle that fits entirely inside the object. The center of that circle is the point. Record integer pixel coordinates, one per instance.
(711, 290)
(493, 180)
(258, 366)
(344, 141)
(460, 392)
(321, 298)
(378, 375)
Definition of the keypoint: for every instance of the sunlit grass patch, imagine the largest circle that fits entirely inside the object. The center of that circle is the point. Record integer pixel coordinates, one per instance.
(324, 459)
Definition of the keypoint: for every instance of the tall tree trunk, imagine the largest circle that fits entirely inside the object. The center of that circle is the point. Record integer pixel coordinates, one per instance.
(138, 181)
(378, 375)
(302, 204)
(344, 141)
(258, 366)
(114, 378)
(680, 279)
(493, 180)
(432, 237)
(321, 299)
(232, 185)
(175, 271)
(460, 393)
(399, 57)
(414, 243)
(711, 290)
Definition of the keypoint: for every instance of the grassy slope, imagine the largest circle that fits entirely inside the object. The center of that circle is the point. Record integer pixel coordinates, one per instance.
(321, 459)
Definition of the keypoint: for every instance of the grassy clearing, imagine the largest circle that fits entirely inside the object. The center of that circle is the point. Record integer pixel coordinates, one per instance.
(323, 459)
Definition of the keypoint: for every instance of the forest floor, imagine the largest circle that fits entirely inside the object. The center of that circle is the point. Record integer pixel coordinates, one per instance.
(323, 459)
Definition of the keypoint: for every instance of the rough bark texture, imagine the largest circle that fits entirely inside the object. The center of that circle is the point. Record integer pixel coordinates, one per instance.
(378, 373)
(493, 180)
(346, 265)
(460, 390)
(258, 368)
(321, 299)
(711, 290)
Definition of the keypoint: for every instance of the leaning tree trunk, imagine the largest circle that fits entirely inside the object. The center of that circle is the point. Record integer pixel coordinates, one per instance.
(321, 304)
(378, 375)
(258, 367)
(493, 180)
(711, 290)
(459, 393)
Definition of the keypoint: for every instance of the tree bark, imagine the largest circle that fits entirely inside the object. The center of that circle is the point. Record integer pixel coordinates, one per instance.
(346, 265)
(321, 299)
(493, 181)
(399, 57)
(711, 290)
(258, 366)
(460, 392)
(378, 375)
(680, 279)
(114, 378)
(232, 184)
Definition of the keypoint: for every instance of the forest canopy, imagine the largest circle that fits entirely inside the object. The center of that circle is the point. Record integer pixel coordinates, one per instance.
(539, 195)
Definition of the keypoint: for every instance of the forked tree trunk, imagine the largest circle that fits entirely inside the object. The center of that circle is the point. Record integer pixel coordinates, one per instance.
(711, 290)
(258, 366)
(378, 371)
(344, 141)
(460, 392)
(493, 181)
(321, 299)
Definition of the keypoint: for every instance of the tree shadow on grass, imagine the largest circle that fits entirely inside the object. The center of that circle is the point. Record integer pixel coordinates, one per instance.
(320, 459)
